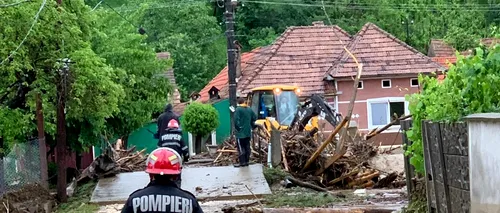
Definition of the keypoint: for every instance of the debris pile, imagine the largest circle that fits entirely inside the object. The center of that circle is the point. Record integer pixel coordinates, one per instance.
(29, 198)
(303, 158)
(114, 161)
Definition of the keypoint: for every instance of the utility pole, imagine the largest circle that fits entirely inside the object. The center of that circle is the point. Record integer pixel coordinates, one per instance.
(61, 130)
(61, 126)
(41, 142)
(231, 56)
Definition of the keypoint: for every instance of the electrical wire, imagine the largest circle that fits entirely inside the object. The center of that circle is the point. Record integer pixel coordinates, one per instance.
(37, 15)
(220, 6)
(162, 6)
(14, 4)
(375, 7)
(123, 17)
(299, 2)
(358, 6)
(97, 5)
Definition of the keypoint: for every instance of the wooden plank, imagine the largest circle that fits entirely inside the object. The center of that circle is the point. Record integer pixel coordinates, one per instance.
(437, 129)
(457, 169)
(460, 199)
(409, 169)
(429, 180)
(275, 147)
(455, 138)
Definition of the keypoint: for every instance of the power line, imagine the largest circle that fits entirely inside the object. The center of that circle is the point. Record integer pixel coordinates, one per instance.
(376, 7)
(162, 6)
(300, 2)
(27, 34)
(97, 5)
(123, 17)
(358, 6)
(14, 4)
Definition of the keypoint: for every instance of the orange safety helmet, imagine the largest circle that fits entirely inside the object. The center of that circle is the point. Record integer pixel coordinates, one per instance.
(164, 161)
(173, 124)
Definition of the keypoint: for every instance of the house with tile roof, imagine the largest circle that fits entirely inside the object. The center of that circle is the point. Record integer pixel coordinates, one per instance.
(313, 58)
(169, 74)
(390, 71)
(444, 54)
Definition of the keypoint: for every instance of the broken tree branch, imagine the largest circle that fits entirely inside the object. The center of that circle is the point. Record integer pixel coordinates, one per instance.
(283, 155)
(307, 185)
(372, 134)
(324, 145)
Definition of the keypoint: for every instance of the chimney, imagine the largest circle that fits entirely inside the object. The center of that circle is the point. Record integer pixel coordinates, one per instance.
(318, 23)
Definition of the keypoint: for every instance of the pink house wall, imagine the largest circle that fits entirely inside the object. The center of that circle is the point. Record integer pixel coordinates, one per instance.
(372, 88)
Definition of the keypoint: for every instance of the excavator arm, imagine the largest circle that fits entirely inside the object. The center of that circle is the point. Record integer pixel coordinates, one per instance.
(315, 106)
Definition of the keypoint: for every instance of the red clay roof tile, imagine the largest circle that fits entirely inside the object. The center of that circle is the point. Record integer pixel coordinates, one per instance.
(300, 56)
(445, 61)
(249, 62)
(171, 77)
(381, 54)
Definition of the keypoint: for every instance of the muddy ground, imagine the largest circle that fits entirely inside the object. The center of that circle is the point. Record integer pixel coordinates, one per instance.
(30, 198)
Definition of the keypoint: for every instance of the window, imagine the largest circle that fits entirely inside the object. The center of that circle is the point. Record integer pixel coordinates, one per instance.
(360, 85)
(287, 102)
(414, 82)
(263, 104)
(385, 110)
(386, 83)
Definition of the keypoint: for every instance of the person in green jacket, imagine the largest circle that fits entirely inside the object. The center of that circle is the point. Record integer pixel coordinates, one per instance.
(244, 122)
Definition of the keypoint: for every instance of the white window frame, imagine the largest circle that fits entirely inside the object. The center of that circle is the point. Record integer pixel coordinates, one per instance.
(387, 100)
(362, 85)
(411, 80)
(382, 83)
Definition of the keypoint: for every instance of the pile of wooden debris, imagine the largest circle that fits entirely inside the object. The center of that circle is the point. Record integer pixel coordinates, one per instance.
(319, 162)
(113, 161)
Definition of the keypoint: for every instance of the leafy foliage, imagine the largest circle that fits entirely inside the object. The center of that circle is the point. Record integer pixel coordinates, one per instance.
(200, 119)
(190, 33)
(472, 86)
(448, 19)
(114, 83)
(146, 89)
(61, 32)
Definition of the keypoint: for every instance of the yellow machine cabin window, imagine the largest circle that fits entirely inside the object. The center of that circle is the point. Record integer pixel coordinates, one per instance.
(287, 102)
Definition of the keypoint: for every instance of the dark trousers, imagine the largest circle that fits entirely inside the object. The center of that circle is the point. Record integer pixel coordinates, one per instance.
(244, 150)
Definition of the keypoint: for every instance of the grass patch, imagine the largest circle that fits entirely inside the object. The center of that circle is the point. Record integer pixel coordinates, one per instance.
(299, 197)
(417, 206)
(80, 201)
(274, 175)
(418, 203)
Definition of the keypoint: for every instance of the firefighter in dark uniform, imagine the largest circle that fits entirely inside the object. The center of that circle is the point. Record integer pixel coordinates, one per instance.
(172, 138)
(162, 194)
(164, 119)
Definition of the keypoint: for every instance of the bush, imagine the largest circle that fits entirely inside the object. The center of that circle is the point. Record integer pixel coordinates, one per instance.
(472, 86)
(200, 119)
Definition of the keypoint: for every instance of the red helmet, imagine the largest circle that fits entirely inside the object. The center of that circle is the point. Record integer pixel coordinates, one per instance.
(164, 161)
(173, 124)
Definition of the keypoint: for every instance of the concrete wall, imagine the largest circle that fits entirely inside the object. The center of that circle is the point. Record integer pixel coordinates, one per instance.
(484, 162)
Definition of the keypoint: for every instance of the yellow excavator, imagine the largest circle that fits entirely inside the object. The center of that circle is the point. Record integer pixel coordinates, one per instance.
(278, 107)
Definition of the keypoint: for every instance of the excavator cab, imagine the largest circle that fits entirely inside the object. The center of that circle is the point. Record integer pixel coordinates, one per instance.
(276, 106)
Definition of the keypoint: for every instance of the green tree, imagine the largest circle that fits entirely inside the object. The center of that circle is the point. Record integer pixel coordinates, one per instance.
(60, 32)
(190, 33)
(200, 120)
(146, 89)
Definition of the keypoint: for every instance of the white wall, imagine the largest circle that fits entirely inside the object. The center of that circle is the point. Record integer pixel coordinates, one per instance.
(484, 162)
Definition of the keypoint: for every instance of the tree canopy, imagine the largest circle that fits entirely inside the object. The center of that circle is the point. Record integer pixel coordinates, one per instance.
(113, 75)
